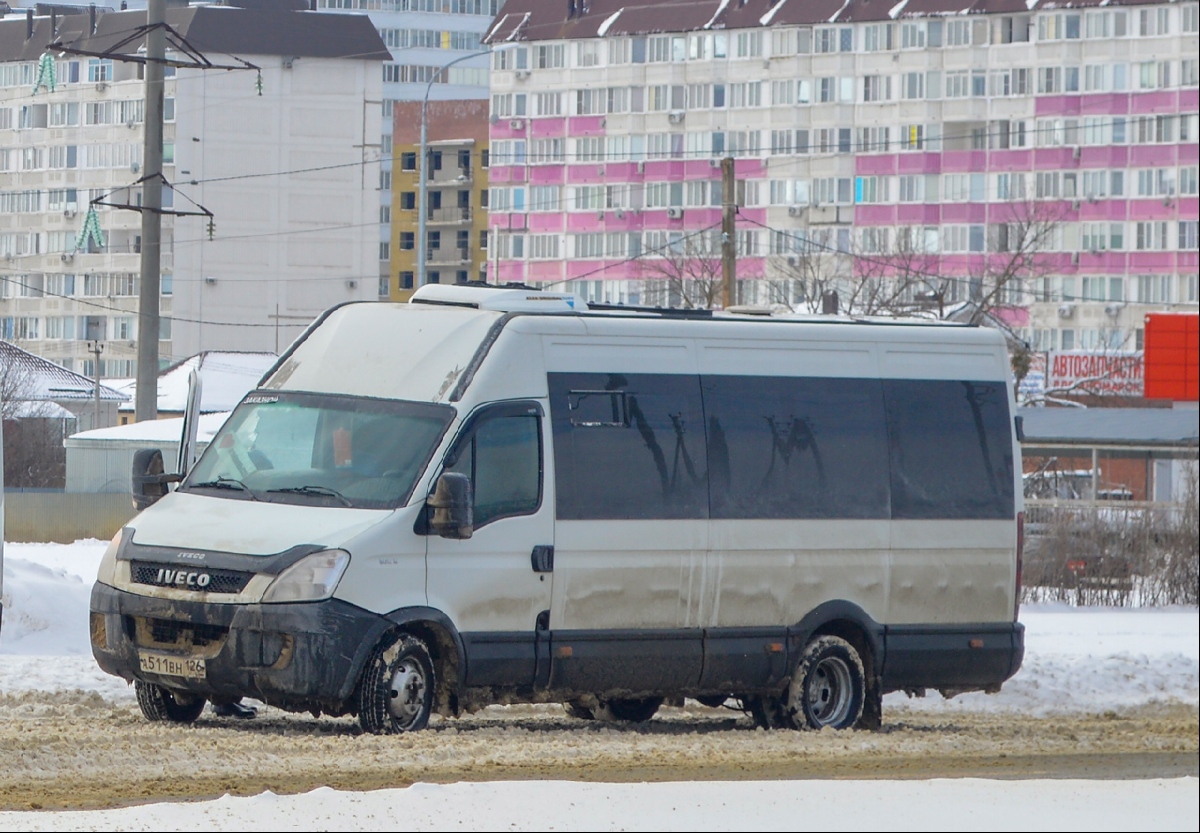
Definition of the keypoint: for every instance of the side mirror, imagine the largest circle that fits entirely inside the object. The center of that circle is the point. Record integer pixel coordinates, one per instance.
(149, 479)
(450, 506)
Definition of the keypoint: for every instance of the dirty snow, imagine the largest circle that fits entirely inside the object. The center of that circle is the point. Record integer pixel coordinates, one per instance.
(1076, 660)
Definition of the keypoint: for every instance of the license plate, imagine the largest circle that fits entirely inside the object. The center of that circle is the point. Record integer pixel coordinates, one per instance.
(170, 666)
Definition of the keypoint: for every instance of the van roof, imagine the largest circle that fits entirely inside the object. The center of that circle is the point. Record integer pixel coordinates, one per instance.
(520, 298)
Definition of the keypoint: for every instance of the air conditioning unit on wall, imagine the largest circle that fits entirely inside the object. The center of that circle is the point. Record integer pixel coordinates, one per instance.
(517, 124)
(1066, 311)
(675, 213)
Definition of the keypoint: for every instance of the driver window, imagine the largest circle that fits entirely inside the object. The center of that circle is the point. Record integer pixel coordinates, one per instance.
(503, 459)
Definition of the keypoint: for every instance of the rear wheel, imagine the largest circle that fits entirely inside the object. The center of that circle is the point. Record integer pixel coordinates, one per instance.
(397, 687)
(162, 704)
(828, 688)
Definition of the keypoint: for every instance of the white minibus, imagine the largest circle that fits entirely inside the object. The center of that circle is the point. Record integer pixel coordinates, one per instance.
(497, 494)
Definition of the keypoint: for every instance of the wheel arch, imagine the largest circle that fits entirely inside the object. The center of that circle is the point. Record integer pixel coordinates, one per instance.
(843, 619)
(445, 647)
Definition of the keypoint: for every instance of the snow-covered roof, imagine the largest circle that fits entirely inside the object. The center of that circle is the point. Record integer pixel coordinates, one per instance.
(44, 381)
(41, 410)
(156, 430)
(225, 378)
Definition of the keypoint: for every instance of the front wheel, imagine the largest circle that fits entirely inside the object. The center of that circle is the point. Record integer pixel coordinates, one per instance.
(162, 704)
(630, 710)
(396, 692)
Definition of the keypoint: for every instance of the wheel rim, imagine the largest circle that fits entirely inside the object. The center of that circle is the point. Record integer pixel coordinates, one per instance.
(406, 697)
(830, 691)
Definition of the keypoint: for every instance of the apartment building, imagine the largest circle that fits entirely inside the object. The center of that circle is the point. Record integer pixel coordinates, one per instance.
(424, 37)
(1038, 159)
(456, 248)
(280, 154)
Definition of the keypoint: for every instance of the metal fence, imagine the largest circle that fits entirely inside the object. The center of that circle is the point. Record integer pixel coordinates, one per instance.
(45, 516)
(1111, 552)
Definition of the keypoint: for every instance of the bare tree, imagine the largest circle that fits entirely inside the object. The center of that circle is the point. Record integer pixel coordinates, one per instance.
(686, 273)
(34, 456)
(17, 386)
(866, 275)
(1019, 252)
(808, 272)
(903, 272)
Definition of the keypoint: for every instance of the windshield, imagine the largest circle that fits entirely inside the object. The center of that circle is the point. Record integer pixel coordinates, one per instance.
(320, 450)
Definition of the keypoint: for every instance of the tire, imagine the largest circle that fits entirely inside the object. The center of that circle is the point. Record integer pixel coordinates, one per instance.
(162, 704)
(767, 711)
(829, 686)
(828, 690)
(712, 701)
(630, 711)
(396, 691)
(578, 710)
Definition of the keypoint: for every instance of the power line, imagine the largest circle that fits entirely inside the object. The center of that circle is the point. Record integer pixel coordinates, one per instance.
(775, 160)
(110, 308)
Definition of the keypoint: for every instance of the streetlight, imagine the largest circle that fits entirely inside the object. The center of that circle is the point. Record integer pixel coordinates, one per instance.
(423, 187)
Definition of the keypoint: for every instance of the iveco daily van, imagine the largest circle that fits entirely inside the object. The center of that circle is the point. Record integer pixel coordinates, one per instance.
(502, 495)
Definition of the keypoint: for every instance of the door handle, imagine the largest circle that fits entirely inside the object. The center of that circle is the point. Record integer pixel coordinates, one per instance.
(542, 558)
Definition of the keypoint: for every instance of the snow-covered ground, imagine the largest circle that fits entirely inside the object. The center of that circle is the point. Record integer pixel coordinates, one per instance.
(1076, 660)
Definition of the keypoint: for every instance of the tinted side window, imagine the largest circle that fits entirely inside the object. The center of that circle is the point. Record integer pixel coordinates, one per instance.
(951, 449)
(628, 446)
(796, 447)
(503, 459)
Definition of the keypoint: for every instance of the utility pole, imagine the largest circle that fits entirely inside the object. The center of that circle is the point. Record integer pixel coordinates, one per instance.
(728, 232)
(146, 406)
(96, 348)
(277, 317)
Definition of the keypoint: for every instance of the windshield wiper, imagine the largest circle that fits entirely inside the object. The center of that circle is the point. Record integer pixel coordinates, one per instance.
(319, 491)
(225, 483)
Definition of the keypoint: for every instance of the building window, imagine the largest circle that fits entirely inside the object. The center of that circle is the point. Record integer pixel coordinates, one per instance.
(100, 69)
(408, 161)
(408, 200)
(406, 280)
(408, 240)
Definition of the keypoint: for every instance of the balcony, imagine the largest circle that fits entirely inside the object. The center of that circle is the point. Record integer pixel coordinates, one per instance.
(450, 255)
(453, 214)
(450, 176)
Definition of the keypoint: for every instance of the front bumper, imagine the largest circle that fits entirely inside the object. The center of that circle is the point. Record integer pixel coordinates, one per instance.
(301, 656)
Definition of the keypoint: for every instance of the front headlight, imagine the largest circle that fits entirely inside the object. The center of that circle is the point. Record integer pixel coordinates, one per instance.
(107, 573)
(310, 579)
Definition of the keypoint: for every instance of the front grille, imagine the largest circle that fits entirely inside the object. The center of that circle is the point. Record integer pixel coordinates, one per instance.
(166, 633)
(185, 578)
